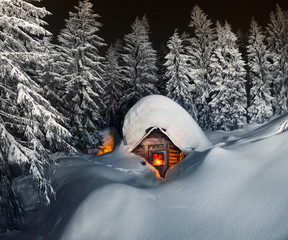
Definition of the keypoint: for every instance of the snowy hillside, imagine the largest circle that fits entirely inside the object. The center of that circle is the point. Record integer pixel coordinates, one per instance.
(234, 190)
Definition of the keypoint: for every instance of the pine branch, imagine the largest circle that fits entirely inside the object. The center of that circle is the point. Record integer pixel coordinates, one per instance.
(19, 119)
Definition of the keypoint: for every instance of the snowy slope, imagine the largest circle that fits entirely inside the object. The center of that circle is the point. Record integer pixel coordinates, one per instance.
(235, 190)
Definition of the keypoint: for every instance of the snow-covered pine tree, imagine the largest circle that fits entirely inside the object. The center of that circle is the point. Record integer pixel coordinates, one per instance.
(82, 72)
(49, 76)
(227, 76)
(161, 54)
(259, 75)
(11, 211)
(277, 41)
(30, 127)
(178, 87)
(199, 51)
(139, 64)
(114, 87)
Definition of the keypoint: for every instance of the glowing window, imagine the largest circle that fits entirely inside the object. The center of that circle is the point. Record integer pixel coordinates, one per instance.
(158, 159)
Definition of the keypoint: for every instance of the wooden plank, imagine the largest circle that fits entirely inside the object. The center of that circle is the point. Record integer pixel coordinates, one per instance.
(157, 141)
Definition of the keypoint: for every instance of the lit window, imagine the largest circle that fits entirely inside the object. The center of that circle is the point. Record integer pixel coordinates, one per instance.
(158, 159)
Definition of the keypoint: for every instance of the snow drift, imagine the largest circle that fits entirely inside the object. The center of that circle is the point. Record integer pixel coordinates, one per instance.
(160, 111)
(236, 191)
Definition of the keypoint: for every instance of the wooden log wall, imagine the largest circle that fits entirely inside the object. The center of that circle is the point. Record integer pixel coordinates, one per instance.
(157, 141)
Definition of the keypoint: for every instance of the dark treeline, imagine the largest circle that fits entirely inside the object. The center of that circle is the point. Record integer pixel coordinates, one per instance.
(57, 97)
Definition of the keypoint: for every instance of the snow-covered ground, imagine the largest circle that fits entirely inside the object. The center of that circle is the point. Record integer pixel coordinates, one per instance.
(238, 189)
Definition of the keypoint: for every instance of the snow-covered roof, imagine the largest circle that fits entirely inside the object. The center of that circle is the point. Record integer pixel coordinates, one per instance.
(162, 112)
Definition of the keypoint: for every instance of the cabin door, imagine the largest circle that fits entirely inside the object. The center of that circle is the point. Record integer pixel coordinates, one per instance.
(160, 161)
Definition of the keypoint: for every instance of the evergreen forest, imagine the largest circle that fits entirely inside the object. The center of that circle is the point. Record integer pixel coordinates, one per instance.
(57, 95)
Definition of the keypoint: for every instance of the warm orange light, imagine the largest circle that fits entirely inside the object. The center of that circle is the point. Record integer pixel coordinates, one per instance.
(158, 174)
(107, 147)
(158, 162)
(158, 159)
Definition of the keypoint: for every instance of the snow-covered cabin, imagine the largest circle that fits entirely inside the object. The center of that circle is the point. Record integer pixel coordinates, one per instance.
(162, 132)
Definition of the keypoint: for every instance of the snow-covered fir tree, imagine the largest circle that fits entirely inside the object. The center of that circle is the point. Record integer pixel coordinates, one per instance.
(277, 41)
(199, 51)
(82, 72)
(178, 85)
(50, 77)
(227, 76)
(12, 212)
(114, 87)
(259, 75)
(161, 54)
(30, 127)
(139, 64)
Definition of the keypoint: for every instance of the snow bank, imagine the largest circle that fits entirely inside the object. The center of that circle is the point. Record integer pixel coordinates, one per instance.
(283, 127)
(160, 111)
(237, 191)
(251, 132)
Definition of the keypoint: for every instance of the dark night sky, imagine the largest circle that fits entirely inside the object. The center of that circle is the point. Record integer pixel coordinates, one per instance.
(164, 15)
